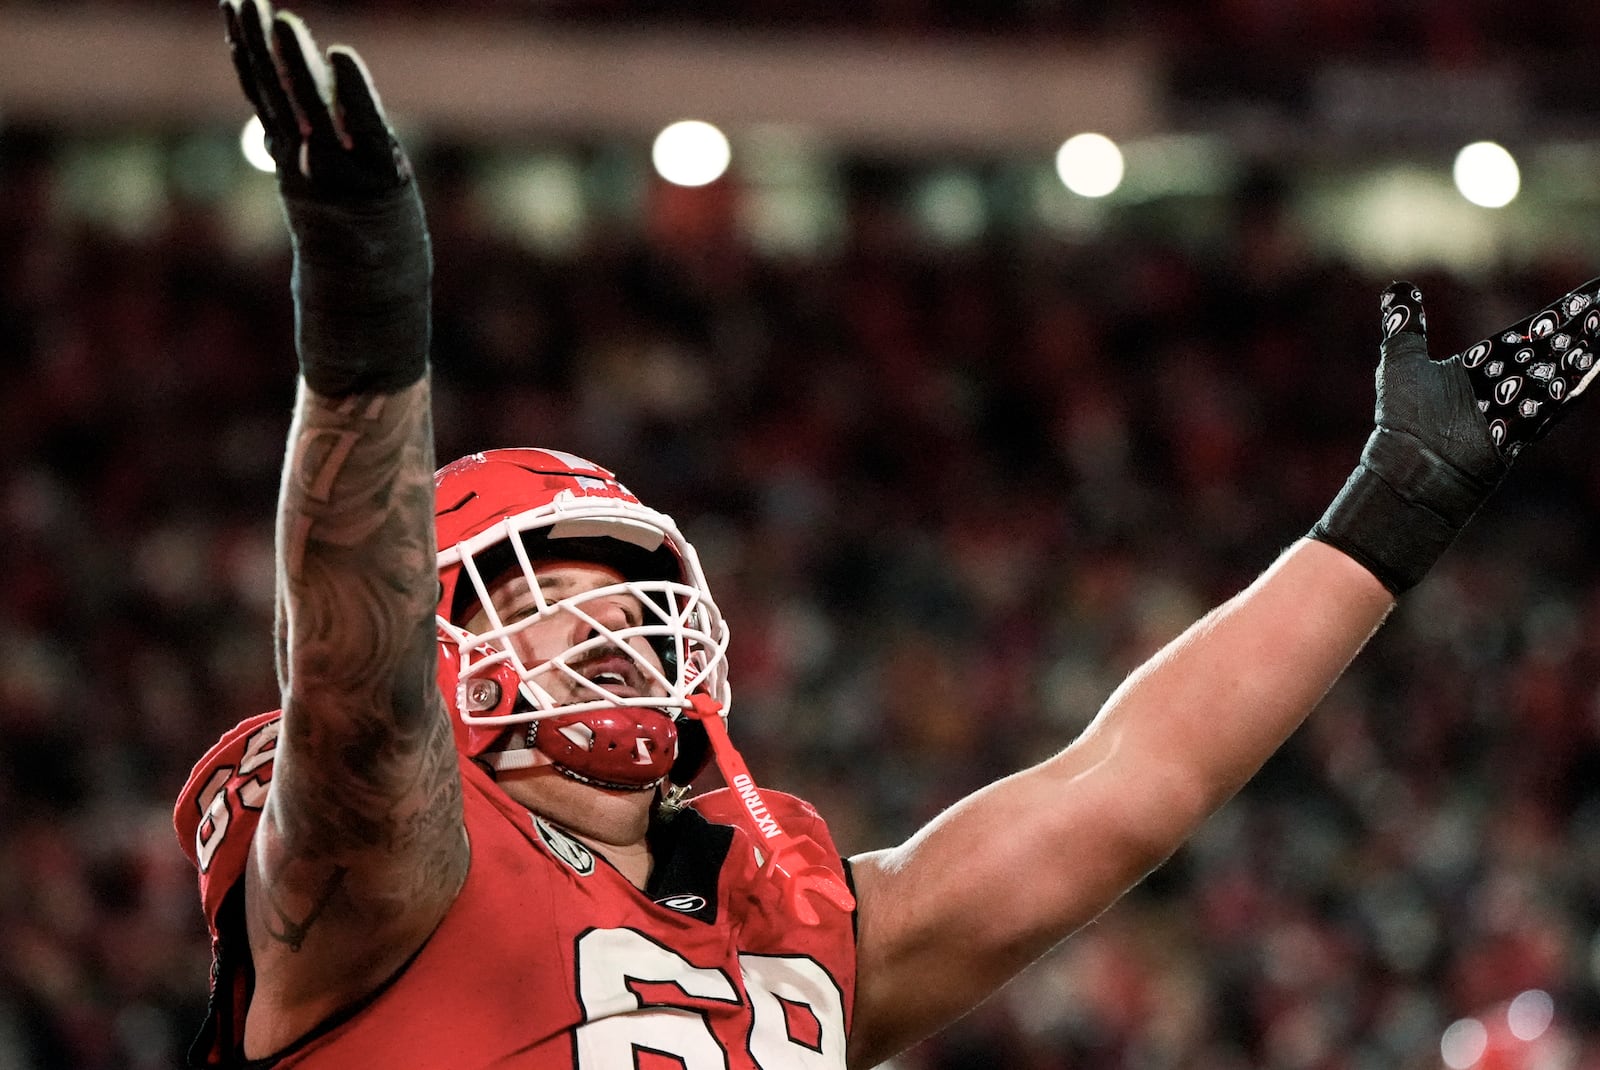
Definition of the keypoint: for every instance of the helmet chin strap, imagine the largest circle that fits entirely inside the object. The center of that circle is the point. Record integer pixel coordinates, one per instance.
(798, 863)
(503, 760)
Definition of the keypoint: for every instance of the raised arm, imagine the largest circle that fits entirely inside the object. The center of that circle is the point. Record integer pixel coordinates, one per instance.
(995, 881)
(360, 849)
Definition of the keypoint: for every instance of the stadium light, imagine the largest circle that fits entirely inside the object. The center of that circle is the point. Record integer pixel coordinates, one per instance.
(1487, 175)
(1089, 165)
(253, 143)
(1463, 1043)
(1530, 1014)
(691, 153)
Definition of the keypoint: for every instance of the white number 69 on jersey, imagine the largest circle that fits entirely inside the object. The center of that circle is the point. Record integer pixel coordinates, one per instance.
(618, 1025)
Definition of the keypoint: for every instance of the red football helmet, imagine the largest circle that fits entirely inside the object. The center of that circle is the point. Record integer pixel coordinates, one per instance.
(505, 512)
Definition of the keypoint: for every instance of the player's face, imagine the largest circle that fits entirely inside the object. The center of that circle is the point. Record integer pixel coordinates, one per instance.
(544, 639)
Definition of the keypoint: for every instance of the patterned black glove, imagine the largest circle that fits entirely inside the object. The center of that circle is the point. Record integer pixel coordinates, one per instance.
(1526, 377)
(363, 265)
(324, 123)
(1447, 431)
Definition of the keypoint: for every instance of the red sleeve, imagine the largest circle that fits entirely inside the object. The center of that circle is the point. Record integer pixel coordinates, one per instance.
(218, 809)
(215, 818)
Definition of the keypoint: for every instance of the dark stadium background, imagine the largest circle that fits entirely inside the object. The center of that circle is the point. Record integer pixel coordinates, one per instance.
(959, 447)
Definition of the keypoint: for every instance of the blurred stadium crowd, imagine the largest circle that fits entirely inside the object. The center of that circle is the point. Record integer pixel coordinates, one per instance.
(948, 497)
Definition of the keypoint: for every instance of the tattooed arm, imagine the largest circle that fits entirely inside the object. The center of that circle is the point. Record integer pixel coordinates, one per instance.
(361, 848)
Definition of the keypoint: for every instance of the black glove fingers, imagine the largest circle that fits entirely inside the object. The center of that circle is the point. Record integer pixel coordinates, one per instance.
(1581, 360)
(254, 17)
(359, 112)
(1583, 305)
(258, 75)
(1526, 377)
(1401, 307)
(1567, 310)
(305, 75)
(1559, 315)
(242, 65)
(324, 123)
(1404, 328)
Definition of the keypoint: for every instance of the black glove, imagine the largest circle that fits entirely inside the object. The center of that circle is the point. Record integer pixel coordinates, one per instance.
(362, 262)
(325, 126)
(1447, 431)
(1526, 377)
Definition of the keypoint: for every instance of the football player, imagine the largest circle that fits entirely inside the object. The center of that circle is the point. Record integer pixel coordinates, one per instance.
(465, 840)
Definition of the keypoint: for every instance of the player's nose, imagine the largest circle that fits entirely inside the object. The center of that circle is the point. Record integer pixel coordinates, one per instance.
(606, 614)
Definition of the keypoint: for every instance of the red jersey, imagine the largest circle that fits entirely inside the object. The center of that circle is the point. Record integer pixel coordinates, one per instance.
(550, 959)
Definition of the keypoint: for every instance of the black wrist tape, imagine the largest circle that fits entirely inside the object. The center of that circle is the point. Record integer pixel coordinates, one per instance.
(362, 286)
(1400, 509)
